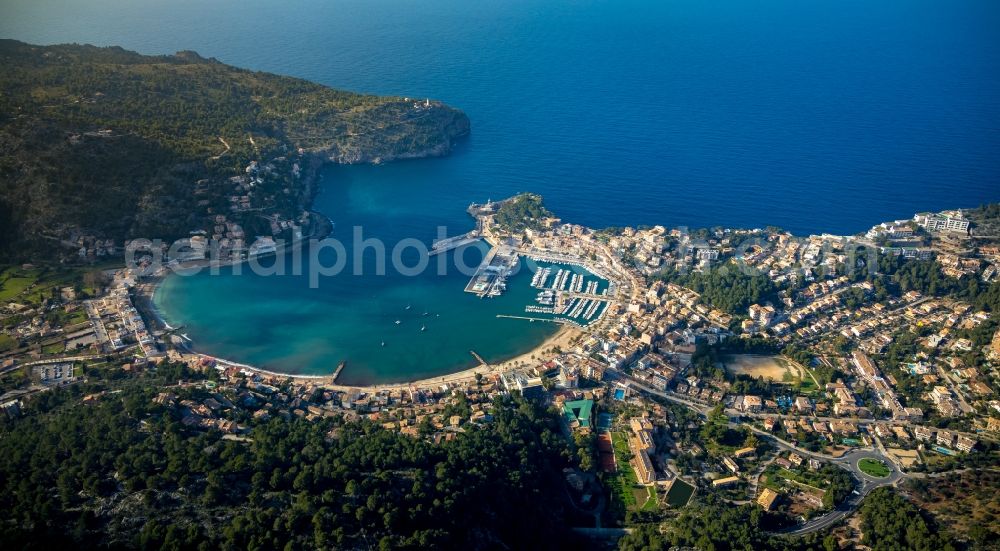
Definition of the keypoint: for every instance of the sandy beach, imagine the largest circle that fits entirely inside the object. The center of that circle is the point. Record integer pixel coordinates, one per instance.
(562, 339)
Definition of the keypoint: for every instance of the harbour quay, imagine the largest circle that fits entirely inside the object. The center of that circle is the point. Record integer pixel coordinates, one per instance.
(490, 279)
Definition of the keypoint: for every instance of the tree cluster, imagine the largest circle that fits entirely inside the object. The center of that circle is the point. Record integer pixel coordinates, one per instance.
(124, 472)
(890, 523)
(522, 212)
(728, 287)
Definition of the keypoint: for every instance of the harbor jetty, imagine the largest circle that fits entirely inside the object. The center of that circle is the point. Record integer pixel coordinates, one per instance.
(336, 373)
(447, 244)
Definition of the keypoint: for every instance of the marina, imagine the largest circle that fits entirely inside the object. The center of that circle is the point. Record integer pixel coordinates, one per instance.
(540, 277)
(570, 294)
(546, 298)
(565, 259)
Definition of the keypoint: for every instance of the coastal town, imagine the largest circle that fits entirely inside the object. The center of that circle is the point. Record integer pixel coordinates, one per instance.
(644, 276)
(807, 386)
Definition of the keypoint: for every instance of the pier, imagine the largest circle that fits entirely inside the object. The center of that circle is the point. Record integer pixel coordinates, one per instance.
(529, 318)
(336, 373)
(445, 245)
(586, 296)
(480, 280)
(490, 279)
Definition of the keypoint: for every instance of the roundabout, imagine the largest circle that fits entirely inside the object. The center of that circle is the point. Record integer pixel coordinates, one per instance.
(874, 468)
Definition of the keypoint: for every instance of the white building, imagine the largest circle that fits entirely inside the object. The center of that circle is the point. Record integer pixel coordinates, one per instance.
(944, 221)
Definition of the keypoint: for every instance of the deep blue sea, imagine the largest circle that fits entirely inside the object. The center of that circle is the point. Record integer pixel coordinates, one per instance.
(812, 115)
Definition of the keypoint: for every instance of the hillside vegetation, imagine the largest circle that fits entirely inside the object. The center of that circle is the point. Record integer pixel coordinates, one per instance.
(524, 211)
(122, 472)
(966, 503)
(113, 143)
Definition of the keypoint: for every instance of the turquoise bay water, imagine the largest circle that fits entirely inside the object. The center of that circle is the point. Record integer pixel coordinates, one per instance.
(280, 323)
(817, 116)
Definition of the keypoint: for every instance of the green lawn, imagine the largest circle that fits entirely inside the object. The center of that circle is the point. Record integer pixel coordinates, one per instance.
(620, 497)
(625, 472)
(13, 281)
(874, 467)
(808, 478)
(806, 385)
(57, 348)
(648, 497)
(773, 482)
(78, 316)
(790, 475)
(625, 491)
(777, 478)
(7, 342)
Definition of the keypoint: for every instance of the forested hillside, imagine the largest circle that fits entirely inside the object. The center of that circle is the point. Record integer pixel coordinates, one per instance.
(112, 142)
(123, 472)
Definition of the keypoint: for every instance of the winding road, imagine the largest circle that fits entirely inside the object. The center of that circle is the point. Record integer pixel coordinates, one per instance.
(849, 461)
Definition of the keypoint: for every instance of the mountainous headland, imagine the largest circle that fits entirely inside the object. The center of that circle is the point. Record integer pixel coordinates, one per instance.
(102, 145)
